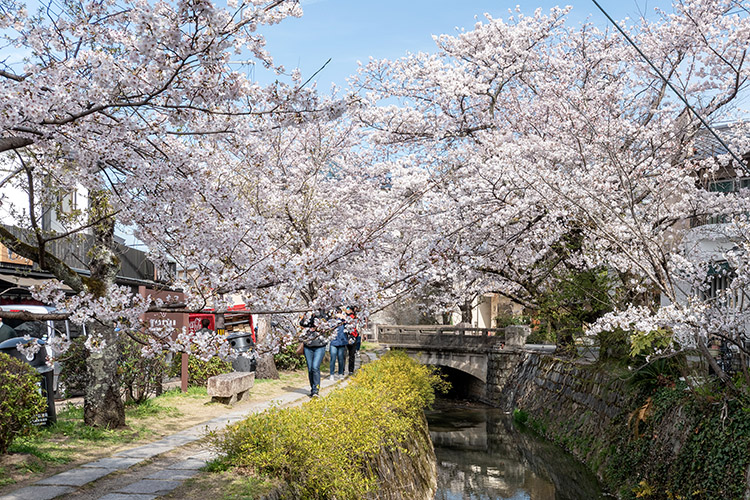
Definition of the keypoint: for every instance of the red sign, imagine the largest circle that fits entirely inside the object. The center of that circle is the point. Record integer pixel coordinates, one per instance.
(196, 319)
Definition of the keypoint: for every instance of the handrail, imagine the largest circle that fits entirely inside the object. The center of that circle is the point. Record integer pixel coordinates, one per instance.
(449, 337)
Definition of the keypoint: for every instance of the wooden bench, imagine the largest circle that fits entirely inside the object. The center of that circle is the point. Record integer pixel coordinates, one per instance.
(229, 388)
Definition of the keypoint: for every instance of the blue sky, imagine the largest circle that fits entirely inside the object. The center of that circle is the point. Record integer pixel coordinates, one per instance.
(350, 30)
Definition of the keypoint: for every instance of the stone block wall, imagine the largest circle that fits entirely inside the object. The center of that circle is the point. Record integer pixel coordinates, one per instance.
(501, 368)
(573, 403)
(587, 411)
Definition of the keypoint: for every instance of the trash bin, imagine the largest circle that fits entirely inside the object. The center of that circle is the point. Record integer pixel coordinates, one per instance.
(46, 374)
(242, 342)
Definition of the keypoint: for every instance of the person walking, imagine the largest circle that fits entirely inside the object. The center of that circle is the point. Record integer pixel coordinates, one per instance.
(337, 348)
(313, 339)
(354, 339)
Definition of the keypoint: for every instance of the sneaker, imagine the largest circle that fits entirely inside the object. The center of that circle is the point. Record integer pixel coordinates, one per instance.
(316, 395)
(331, 378)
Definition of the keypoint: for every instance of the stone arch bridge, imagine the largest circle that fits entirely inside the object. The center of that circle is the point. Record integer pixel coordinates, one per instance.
(483, 358)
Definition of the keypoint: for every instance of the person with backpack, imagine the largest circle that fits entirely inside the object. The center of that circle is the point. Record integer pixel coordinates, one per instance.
(314, 341)
(354, 339)
(338, 347)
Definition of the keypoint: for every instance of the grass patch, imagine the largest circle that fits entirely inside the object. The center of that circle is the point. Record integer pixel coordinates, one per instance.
(151, 408)
(369, 346)
(193, 392)
(235, 484)
(70, 440)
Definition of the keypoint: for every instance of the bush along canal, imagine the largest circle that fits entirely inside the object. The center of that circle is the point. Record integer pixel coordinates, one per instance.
(367, 440)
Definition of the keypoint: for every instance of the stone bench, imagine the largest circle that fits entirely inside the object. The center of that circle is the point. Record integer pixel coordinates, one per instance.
(228, 388)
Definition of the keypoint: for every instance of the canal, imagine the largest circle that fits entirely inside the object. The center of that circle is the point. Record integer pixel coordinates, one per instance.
(483, 455)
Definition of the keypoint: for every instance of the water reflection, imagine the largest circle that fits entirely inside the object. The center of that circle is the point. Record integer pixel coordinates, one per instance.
(483, 456)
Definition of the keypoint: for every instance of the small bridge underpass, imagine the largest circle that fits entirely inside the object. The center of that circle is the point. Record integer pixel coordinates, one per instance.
(478, 360)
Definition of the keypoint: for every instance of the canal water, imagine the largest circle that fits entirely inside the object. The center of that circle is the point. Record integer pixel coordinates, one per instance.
(483, 455)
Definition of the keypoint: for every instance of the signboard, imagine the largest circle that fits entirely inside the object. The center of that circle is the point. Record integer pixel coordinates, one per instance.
(44, 386)
(173, 321)
(7, 256)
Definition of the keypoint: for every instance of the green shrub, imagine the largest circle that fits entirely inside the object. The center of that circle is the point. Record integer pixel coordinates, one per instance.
(20, 401)
(520, 417)
(288, 359)
(73, 377)
(199, 371)
(140, 376)
(661, 372)
(322, 449)
(505, 320)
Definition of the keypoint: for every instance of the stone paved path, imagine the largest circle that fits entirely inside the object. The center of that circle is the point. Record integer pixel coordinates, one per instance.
(148, 471)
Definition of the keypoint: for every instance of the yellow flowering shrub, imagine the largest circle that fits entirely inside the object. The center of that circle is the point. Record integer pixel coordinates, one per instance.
(322, 449)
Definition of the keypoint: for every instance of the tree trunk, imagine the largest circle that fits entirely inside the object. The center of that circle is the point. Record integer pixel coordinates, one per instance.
(103, 405)
(266, 367)
(466, 313)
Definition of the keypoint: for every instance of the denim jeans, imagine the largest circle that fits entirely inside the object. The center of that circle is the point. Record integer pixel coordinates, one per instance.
(314, 357)
(337, 353)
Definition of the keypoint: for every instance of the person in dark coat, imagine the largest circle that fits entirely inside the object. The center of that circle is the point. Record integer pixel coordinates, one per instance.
(354, 338)
(313, 338)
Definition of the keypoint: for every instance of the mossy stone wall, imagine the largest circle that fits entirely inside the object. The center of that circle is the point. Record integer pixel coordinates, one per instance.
(667, 444)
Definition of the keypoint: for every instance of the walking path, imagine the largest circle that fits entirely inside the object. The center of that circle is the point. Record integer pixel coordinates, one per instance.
(150, 470)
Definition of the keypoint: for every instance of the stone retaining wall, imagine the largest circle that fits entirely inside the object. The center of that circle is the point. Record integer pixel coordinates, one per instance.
(586, 399)
(588, 412)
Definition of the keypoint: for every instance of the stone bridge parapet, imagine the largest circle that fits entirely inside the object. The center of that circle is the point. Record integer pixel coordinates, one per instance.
(487, 354)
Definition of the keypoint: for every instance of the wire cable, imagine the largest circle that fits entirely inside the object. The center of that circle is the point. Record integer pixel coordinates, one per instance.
(739, 161)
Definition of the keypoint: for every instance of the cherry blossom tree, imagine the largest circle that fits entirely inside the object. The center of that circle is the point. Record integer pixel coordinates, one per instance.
(259, 191)
(116, 97)
(539, 130)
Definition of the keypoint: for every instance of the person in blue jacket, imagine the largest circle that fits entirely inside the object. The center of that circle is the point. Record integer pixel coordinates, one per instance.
(337, 348)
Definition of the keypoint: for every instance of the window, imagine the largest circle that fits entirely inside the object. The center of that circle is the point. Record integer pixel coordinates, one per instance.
(727, 186)
(69, 202)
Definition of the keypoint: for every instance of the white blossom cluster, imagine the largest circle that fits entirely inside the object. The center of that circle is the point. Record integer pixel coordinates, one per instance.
(446, 174)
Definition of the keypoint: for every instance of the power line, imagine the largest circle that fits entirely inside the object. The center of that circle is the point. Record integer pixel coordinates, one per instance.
(674, 89)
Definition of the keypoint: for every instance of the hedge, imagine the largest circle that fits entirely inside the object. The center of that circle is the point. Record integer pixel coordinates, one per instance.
(20, 400)
(322, 449)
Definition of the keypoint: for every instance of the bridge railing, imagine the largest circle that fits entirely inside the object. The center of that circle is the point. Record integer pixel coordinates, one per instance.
(443, 337)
